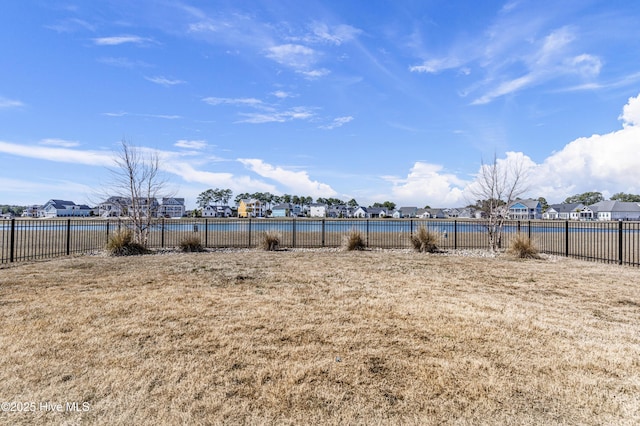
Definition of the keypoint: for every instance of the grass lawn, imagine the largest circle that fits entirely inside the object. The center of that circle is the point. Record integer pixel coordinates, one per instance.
(320, 337)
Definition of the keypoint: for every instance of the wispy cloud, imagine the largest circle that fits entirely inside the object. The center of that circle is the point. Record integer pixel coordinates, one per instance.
(267, 113)
(191, 144)
(321, 32)
(123, 62)
(10, 103)
(63, 155)
(292, 55)
(514, 53)
(163, 81)
(233, 101)
(337, 122)
(59, 142)
(282, 94)
(71, 25)
(124, 114)
(296, 113)
(123, 39)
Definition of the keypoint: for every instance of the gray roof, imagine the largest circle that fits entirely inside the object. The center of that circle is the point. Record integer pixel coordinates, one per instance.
(615, 206)
(567, 208)
(529, 203)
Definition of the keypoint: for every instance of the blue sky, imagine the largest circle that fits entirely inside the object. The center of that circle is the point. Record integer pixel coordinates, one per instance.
(372, 100)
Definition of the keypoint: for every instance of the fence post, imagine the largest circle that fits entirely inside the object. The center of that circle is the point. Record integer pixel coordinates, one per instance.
(162, 233)
(620, 242)
(566, 238)
(529, 230)
(12, 240)
(455, 234)
(411, 228)
(293, 231)
(68, 237)
(367, 232)
(323, 224)
(206, 232)
(249, 233)
(108, 222)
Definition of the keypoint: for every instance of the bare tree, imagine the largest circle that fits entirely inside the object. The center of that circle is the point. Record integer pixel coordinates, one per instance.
(137, 184)
(497, 186)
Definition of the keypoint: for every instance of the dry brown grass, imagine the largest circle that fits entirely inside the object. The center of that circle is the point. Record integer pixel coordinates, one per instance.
(324, 337)
(522, 247)
(353, 241)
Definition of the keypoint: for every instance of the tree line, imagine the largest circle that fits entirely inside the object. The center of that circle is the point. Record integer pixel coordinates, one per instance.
(218, 197)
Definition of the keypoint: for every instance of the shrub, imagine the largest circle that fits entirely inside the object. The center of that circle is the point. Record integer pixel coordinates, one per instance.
(425, 241)
(122, 244)
(270, 241)
(191, 244)
(354, 241)
(523, 248)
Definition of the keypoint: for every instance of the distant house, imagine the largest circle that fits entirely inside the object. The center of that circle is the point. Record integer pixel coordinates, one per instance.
(423, 214)
(338, 211)
(525, 210)
(452, 212)
(31, 211)
(437, 213)
(171, 207)
(251, 208)
(615, 210)
(318, 210)
(217, 211)
(570, 211)
(467, 213)
(370, 212)
(282, 210)
(64, 208)
(404, 212)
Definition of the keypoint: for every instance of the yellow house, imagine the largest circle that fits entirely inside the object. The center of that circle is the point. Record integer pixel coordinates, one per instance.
(250, 208)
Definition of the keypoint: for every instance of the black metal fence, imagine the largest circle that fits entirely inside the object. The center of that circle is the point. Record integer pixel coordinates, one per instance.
(31, 239)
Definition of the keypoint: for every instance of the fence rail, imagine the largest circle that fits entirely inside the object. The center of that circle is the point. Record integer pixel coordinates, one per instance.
(32, 239)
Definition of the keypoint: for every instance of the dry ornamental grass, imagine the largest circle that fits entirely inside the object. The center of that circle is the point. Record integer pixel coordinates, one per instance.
(321, 337)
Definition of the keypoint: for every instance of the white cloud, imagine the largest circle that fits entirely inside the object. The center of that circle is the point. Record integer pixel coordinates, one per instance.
(296, 182)
(233, 101)
(313, 74)
(220, 179)
(296, 113)
(59, 142)
(63, 155)
(433, 66)
(292, 55)
(631, 112)
(122, 62)
(337, 35)
(191, 144)
(606, 163)
(282, 94)
(427, 184)
(163, 81)
(10, 103)
(337, 122)
(117, 40)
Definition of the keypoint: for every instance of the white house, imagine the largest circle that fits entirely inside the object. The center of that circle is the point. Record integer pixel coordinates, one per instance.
(171, 207)
(217, 211)
(318, 210)
(64, 208)
(616, 210)
(372, 212)
(403, 212)
(525, 209)
(569, 211)
(113, 207)
(31, 211)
